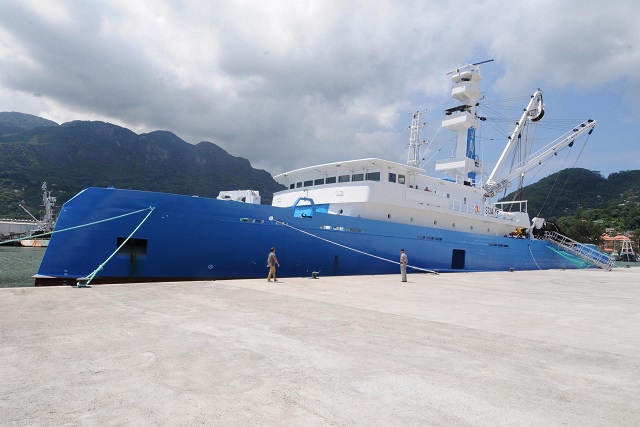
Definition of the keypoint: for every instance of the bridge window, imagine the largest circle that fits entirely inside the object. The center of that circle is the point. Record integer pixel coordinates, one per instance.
(401, 179)
(308, 183)
(331, 180)
(298, 184)
(292, 186)
(318, 181)
(357, 177)
(373, 176)
(344, 178)
(392, 177)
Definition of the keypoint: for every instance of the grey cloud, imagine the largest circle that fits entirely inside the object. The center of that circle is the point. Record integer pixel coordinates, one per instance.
(300, 82)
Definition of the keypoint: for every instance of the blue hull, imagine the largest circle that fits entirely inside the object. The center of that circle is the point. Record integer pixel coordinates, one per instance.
(194, 238)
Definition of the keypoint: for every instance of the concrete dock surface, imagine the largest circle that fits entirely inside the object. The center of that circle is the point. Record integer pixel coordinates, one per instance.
(538, 348)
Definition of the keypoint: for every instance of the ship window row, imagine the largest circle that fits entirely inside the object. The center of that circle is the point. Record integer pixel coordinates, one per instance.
(356, 177)
(400, 179)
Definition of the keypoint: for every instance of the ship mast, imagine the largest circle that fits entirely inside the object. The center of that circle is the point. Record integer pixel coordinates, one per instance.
(47, 223)
(48, 202)
(462, 119)
(415, 142)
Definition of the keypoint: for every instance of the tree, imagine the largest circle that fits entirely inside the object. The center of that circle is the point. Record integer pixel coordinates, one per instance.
(581, 230)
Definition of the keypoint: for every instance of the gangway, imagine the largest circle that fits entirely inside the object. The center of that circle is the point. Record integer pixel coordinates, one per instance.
(586, 252)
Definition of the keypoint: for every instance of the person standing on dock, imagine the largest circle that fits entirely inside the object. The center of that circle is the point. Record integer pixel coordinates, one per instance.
(272, 261)
(404, 260)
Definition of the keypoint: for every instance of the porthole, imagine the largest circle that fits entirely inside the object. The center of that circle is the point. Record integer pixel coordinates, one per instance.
(340, 211)
(453, 225)
(471, 228)
(389, 216)
(411, 219)
(435, 222)
(488, 230)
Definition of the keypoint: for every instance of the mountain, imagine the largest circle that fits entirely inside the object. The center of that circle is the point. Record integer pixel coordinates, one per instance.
(17, 122)
(80, 154)
(566, 192)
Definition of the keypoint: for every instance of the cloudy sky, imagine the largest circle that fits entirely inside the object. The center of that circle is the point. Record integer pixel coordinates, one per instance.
(290, 83)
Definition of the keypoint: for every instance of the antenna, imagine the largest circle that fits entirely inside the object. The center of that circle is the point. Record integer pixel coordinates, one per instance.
(483, 62)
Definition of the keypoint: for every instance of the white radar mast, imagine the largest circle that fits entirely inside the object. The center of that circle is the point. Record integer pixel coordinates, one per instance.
(465, 164)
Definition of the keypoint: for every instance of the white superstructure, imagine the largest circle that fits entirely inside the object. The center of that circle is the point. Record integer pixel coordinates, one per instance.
(387, 191)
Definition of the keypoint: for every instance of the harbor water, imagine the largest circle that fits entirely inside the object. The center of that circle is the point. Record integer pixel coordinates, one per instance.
(18, 264)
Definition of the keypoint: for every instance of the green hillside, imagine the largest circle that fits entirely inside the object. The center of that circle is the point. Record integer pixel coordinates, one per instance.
(80, 154)
(572, 190)
(584, 203)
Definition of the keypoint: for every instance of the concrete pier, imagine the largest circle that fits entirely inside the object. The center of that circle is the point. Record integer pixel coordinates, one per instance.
(550, 348)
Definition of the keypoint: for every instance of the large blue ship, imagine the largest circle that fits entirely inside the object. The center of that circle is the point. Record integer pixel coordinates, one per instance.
(341, 218)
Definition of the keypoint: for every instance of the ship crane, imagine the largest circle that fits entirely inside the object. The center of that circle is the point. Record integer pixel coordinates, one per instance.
(533, 112)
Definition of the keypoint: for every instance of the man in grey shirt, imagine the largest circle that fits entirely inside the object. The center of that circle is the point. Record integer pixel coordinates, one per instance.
(404, 260)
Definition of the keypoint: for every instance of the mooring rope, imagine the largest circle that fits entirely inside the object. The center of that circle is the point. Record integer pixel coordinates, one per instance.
(75, 227)
(533, 258)
(101, 266)
(347, 247)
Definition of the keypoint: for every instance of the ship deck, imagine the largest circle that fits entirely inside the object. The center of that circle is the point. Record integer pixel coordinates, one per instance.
(508, 348)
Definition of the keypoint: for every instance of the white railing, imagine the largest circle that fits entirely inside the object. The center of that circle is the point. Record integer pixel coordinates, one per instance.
(461, 206)
(514, 206)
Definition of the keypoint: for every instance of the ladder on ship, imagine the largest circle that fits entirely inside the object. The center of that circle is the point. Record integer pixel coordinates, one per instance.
(587, 253)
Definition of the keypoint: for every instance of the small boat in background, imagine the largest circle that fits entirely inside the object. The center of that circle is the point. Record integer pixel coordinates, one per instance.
(34, 243)
(40, 235)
